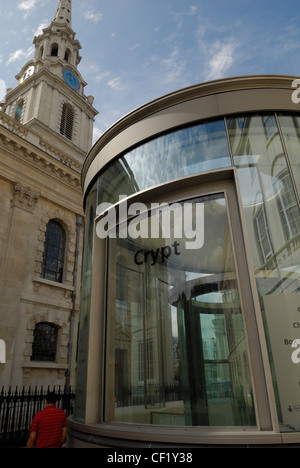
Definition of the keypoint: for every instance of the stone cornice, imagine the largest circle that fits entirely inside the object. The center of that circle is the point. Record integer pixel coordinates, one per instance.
(33, 137)
(16, 145)
(13, 125)
(51, 31)
(55, 81)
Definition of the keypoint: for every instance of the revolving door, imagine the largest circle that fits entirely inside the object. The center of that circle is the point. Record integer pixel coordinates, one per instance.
(177, 352)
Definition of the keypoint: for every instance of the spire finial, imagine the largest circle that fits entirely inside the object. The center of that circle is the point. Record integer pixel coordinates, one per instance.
(63, 13)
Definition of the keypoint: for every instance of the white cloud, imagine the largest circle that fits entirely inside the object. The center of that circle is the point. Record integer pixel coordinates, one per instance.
(174, 66)
(97, 132)
(40, 28)
(221, 60)
(107, 117)
(27, 5)
(106, 77)
(90, 15)
(100, 75)
(2, 89)
(20, 54)
(114, 83)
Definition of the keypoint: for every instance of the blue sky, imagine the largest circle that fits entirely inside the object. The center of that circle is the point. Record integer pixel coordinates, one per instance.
(134, 51)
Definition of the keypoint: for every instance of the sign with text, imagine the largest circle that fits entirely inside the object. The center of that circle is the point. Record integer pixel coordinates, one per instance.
(283, 318)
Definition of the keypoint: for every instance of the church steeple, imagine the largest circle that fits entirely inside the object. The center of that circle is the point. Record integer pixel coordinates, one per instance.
(60, 35)
(50, 97)
(63, 13)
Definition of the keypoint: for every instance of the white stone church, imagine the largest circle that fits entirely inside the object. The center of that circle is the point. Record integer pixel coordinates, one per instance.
(46, 126)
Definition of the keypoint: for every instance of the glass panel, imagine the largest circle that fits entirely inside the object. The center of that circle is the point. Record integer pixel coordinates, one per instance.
(273, 228)
(185, 152)
(290, 127)
(176, 348)
(54, 252)
(85, 302)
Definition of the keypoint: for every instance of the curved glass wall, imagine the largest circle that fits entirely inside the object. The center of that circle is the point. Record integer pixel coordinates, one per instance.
(178, 154)
(148, 307)
(85, 302)
(272, 216)
(176, 345)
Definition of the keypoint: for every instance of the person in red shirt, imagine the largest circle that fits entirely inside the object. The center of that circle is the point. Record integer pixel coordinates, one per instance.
(49, 426)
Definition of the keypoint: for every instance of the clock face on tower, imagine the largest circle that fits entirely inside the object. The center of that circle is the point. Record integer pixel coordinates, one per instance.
(27, 74)
(71, 79)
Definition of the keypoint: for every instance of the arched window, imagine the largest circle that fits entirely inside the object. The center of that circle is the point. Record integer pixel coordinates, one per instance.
(54, 252)
(67, 120)
(44, 344)
(54, 50)
(19, 110)
(67, 55)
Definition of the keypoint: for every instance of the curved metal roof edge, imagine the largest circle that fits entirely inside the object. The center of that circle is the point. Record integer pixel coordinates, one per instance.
(223, 85)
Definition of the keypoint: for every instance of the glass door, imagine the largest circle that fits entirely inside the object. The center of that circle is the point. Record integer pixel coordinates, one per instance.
(215, 375)
(217, 389)
(177, 351)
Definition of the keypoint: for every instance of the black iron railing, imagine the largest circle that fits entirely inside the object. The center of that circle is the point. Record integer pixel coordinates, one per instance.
(18, 407)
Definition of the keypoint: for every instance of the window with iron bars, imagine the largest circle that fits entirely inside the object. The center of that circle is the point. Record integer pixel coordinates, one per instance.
(44, 342)
(54, 252)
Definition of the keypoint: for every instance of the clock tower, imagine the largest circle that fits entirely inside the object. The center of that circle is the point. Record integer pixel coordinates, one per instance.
(49, 98)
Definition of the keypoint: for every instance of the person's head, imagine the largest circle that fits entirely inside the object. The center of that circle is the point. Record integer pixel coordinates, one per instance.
(51, 398)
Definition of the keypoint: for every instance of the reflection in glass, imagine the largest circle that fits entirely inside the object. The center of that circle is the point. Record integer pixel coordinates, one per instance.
(271, 212)
(176, 350)
(268, 197)
(85, 302)
(90, 211)
(181, 153)
(290, 128)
